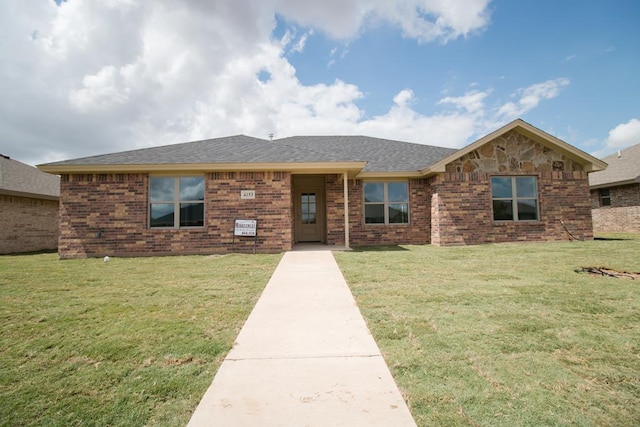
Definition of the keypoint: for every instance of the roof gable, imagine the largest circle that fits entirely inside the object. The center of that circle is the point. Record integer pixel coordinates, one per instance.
(587, 162)
(624, 168)
(20, 179)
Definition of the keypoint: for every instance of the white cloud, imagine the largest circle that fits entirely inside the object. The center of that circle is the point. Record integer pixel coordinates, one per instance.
(530, 97)
(91, 77)
(624, 135)
(423, 20)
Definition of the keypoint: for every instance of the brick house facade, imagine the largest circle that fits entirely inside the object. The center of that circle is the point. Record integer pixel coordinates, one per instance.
(615, 193)
(28, 208)
(396, 195)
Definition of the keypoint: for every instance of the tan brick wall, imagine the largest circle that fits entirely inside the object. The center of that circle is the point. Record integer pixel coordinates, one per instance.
(461, 208)
(107, 214)
(27, 225)
(361, 234)
(624, 213)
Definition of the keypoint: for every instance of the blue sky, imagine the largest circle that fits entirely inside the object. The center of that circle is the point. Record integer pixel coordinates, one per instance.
(82, 78)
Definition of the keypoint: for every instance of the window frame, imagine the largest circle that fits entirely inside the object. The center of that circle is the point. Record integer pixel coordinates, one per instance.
(602, 197)
(385, 203)
(176, 203)
(514, 199)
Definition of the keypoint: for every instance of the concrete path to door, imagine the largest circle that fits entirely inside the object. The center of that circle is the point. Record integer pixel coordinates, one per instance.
(305, 357)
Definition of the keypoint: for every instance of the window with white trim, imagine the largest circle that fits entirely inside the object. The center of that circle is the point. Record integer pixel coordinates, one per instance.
(386, 203)
(176, 202)
(515, 198)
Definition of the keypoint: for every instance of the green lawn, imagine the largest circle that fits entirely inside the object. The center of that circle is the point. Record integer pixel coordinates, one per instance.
(129, 342)
(506, 334)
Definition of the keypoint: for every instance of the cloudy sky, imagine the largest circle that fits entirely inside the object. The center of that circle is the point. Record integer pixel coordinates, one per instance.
(86, 77)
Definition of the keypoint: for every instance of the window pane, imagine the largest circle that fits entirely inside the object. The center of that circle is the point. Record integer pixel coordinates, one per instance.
(501, 187)
(162, 189)
(191, 214)
(192, 188)
(398, 192)
(526, 186)
(502, 210)
(305, 208)
(162, 215)
(527, 210)
(312, 218)
(312, 197)
(374, 214)
(374, 192)
(398, 213)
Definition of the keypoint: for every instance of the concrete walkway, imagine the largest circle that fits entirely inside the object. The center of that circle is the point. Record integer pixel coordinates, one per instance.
(304, 358)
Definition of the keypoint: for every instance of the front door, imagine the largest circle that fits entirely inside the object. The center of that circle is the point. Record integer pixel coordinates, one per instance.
(309, 210)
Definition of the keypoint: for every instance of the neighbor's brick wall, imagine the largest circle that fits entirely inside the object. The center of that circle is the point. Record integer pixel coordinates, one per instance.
(117, 206)
(360, 234)
(27, 224)
(461, 208)
(624, 213)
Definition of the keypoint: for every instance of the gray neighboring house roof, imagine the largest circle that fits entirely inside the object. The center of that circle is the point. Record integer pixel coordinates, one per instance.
(380, 155)
(20, 179)
(623, 169)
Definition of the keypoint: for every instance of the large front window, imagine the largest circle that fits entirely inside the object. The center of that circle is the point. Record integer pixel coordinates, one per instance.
(386, 203)
(176, 202)
(515, 198)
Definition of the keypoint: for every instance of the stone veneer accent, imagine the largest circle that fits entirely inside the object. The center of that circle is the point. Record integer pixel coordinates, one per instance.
(27, 224)
(623, 215)
(513, 152)
(361, 234)
(107, 214)
(461, 210)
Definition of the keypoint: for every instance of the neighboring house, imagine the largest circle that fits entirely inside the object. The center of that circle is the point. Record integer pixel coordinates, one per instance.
(516, 184)
(28, 208)
(615, 193)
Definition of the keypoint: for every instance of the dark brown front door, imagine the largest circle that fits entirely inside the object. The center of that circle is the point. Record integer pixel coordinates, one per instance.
(309, 209)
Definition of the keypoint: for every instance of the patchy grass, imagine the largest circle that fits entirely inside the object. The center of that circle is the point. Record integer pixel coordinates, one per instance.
(133, 341)
(506, 334)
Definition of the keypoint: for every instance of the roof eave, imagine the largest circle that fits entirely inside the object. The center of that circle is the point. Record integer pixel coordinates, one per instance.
(615, 183)
(293, 167)
(28, 195)
(389, 175)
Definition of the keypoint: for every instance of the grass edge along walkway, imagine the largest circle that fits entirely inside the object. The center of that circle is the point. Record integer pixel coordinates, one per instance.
(133, 341)
(506, 334)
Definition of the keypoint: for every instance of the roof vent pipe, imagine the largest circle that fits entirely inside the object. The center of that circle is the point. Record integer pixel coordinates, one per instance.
(619, 155)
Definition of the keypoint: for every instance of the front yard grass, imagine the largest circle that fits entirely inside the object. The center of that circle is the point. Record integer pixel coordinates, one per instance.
(506, 334)
(128, 342)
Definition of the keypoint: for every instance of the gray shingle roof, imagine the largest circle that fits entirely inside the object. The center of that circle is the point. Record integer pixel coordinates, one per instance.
(623, 169)
(381, 155)
(22, 179)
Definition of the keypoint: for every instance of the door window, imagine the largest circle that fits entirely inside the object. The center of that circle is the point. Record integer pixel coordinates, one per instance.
(308, 204)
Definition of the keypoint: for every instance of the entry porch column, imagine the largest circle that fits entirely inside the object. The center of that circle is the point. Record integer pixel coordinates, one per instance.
(346, 209)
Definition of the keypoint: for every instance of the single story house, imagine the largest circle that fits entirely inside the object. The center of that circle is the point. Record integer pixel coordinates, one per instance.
(28, 208)
(515, 184)
(615, 193)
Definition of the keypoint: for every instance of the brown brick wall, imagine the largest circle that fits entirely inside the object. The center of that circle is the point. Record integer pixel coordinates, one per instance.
(360, 234)
(461, 209)
(116, 207)
(624, 213)
(27, 224)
